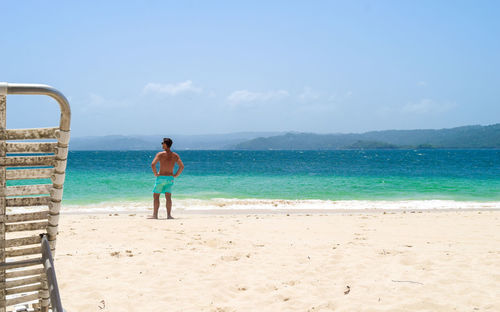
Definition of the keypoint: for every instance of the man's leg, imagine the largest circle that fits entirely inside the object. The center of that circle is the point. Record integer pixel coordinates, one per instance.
(168, 197)
(156, 205)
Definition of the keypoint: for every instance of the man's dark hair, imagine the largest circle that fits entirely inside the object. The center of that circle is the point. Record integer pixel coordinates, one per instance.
(168, 141)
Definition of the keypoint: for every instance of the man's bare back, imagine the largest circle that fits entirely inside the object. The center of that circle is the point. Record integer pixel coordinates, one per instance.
(167, 160)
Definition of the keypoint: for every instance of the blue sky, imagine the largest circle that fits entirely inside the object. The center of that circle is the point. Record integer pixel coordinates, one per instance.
(202, 67)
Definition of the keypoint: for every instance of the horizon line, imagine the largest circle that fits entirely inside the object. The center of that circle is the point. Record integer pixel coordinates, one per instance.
(281, 132)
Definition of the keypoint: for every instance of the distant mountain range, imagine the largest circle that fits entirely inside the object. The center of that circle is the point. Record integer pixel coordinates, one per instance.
(153, 142)
(454, 138)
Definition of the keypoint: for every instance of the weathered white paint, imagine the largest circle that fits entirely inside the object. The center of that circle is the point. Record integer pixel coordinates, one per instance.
(53, 219)
(24, 273)
(58, 179)
(56, 194)
(29, 147)
(27, 161)
(54, 207)
(20, 174)
(22, 241)
(29, 216)
(60, 166)
(32, 226)
(63, 137)
(19, 290)
(23, 252)
(61, 153)
(28, 190)
(18, 300)
(27, 263)
(52, 232)
(21, 282)
(29, 134)
(28, 201)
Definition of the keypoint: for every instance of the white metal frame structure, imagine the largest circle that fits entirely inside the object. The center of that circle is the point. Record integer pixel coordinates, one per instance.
(30, 212)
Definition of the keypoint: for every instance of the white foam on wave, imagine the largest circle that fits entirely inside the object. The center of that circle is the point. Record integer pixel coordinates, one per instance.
(279, 204)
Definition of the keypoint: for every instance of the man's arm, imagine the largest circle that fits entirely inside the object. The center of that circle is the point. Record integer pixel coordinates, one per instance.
(181, 167)
(153, 164)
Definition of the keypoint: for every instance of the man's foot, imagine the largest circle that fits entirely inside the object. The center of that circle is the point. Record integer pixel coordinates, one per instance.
(170, 217)
(152, 217)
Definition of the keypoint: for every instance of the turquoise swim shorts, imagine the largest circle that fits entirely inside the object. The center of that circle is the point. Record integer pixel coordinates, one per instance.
(163, 184)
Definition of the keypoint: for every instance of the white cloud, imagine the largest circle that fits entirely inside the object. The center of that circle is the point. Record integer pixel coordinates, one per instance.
(422, 83)
(248, 96)
(427, 106)
(172, 89)
(308, 95)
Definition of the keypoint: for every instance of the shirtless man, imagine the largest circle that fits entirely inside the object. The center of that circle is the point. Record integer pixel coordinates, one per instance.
(165, 178)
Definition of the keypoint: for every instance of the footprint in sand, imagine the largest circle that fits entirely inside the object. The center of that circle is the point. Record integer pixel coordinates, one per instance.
(230, 258)
(291, 283)
(211, 243)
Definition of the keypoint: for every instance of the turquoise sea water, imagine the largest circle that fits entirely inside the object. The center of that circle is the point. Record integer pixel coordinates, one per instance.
(460, 175)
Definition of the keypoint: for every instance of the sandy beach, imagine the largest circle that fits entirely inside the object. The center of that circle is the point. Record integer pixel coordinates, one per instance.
(374, 261)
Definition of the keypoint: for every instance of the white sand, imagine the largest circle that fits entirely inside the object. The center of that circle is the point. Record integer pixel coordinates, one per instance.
(430, 261)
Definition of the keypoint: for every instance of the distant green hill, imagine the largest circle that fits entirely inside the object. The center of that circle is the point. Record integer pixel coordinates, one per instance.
(454, 138)
(152, 142)
(461, 137)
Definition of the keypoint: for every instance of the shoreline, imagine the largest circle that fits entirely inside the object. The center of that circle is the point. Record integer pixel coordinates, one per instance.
(241, 206)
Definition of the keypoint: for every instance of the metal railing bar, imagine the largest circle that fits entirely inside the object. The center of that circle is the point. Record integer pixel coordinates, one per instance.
(48, 264)
(40, 89)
